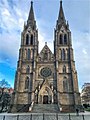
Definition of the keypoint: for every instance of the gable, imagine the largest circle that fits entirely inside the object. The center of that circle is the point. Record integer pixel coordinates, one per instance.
(46, 54)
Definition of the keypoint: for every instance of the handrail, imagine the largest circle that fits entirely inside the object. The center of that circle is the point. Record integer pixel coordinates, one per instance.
(31, 107)
(23, 107)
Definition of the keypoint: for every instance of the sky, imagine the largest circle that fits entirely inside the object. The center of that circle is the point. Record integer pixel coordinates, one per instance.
(13, 14)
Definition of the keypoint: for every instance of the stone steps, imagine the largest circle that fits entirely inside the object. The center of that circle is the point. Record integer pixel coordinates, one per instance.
(45, 108)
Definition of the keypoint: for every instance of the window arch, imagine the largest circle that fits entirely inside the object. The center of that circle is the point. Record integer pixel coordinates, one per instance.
(45, 56)
(31, 42)
(63, 55)
(65, 85)
(27, 39)
(65, 39)
(27, 83)
(61, 39)
(28, 54)
(64, 69)
(28, 69)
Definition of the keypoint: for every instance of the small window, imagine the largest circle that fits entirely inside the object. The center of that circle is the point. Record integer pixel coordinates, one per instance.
(64, 69)
(65, 39)
(25, 52)
(68, 54)
(31, 43)
(27, 39)
(30, 85)
(27, 83)
(32, 53)
(61, 39)
(45, 56)
(63, 55)
(60, 54)
(28, 54)
(65, 85)
(28, 69)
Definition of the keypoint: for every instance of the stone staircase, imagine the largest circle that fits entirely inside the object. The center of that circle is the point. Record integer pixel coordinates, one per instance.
(45, 108)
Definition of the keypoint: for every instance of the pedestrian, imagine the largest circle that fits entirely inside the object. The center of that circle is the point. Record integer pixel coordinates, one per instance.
(77, 111)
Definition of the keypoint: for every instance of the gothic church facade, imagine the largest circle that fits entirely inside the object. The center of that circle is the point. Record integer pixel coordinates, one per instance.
(46, 77)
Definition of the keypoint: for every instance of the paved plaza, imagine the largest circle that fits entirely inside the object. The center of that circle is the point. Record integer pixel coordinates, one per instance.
(45, 116)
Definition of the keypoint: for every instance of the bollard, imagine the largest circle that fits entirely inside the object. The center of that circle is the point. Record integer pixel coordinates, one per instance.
(31, 117)
(56, 116)
(69, 117)
(17, 117)
(4, 117)
(43, 116)
(83, 117)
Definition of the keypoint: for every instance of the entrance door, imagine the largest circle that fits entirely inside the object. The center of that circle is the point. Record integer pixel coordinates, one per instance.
(45, 99)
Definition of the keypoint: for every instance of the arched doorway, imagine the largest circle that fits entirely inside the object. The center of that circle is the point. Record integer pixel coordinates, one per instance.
(45, 99)
(45, 95)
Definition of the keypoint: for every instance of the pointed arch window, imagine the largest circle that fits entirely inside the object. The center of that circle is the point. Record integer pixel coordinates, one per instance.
(65, 85)
(27, 83)
(60, 54)
(63, 55)
(28, 54)
(28, 69)
(65, 39)
(61, 39)
(68, 54)
(27, 39)
(30, 84)
(45, 56)
(64, 69)
(25, 53)
(32, 53)
(31, 42)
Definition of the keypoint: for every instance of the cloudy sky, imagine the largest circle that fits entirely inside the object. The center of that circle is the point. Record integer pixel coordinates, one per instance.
(13, 13)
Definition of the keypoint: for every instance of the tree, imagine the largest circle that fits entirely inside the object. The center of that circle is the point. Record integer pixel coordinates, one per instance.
(85, 95)
(4, 96)
(4, 84)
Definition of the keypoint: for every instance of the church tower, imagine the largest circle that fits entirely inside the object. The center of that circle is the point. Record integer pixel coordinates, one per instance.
(66, 74)
(46, 81)
(25, 74)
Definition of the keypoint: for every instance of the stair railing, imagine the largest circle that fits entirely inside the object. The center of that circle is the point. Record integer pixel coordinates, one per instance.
(23, 107)
(31, 107)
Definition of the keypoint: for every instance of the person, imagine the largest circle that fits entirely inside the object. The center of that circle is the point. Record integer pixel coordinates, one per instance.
(77, 111)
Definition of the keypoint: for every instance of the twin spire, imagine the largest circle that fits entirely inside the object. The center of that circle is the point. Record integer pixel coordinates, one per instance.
(61, 17)
(31, 13)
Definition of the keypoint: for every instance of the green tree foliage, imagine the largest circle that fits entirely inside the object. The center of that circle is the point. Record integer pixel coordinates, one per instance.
(5, 97)
(4, 84)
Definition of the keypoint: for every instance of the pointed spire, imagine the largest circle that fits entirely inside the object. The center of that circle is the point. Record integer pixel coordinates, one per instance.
(67, 25)
(61, 17)
(31, 13)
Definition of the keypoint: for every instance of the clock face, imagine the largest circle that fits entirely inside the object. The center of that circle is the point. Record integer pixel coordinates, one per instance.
(46, 72)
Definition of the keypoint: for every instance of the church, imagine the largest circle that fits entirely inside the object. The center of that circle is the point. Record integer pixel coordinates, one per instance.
(46, 81)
